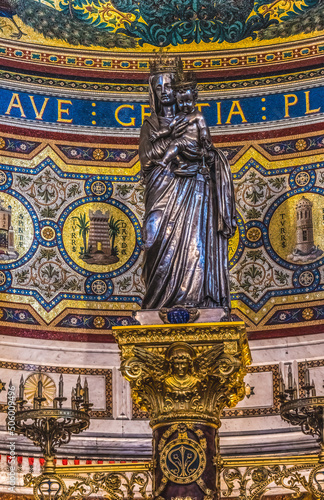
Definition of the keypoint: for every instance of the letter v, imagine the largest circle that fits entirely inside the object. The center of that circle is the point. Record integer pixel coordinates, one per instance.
(39, 114)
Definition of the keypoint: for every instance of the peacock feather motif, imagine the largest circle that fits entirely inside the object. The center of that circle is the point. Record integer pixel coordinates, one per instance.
(56, 24)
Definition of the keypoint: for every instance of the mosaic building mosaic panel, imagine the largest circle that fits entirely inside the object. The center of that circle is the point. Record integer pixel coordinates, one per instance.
(70, 240)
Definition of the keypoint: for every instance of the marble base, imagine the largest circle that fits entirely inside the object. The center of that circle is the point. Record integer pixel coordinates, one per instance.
(152, 317)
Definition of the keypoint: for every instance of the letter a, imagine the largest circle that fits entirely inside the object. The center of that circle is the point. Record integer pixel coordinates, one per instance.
(236, 104)
(15, 103)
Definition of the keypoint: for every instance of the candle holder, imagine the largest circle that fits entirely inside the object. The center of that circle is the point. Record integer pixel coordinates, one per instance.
(51, 427)
(307, 412)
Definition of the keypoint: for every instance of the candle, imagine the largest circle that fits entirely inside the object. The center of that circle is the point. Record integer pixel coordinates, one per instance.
(306, 379)
(290, 380)
(281, 384)
(295, 391)
(313, 389)
(61, 386)
(40, 387)
(21, 388)
(86, 392)
(73, 398)
(78, 387)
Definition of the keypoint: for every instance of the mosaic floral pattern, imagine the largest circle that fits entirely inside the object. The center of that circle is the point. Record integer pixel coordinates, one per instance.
(294, 146)
(16, 315)
(186, 21)
(101, 154)
(130, 23)
(71, 258)
(268, 200)
(89, 321)
(297, 315)
(17, 145)
(48, 192)
(47, 274)
(67, 266)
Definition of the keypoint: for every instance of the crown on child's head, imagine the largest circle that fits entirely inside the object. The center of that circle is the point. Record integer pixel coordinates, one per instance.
(185, 81)
(165, 63)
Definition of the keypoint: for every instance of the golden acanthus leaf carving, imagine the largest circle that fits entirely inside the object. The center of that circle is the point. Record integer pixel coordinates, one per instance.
(182, 383)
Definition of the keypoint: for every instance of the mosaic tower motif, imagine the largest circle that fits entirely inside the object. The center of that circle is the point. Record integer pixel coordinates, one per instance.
(305, 233)
(7, 246)
(305, 248)
(98, 235)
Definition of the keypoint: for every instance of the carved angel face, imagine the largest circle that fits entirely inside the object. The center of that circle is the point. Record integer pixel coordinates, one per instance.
(181, 365)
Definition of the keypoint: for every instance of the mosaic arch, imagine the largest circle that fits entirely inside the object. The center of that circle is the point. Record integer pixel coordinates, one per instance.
(145, 25)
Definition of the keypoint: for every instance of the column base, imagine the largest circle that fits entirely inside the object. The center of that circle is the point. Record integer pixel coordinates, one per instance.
(185, 461)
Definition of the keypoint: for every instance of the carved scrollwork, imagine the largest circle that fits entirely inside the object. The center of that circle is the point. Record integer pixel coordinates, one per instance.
(178, 379)
(38, 434)
(252, 483)
(133, 369)
(114, 486)
(111, 485)
(47, 486)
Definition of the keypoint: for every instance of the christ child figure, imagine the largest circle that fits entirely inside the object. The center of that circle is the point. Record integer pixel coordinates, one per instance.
(194, 138)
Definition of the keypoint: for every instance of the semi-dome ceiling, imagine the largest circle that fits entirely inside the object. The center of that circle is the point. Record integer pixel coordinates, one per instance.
(180, 25)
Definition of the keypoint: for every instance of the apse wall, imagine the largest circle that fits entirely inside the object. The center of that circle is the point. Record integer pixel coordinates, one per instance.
(69, 163)
(70, 123)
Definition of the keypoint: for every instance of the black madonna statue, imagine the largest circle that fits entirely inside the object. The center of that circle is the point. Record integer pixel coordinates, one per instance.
(189, 198)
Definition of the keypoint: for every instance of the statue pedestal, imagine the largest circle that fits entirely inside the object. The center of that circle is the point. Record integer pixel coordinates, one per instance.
(154, 316)
(184, 375)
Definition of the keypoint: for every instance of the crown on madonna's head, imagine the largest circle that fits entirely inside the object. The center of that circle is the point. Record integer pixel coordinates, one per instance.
(165, 63)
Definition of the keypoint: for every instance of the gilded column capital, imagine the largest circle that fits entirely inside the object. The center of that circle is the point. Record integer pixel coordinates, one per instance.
(187, 371)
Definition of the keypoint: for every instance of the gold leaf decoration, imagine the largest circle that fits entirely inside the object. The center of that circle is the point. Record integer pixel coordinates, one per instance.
(31, 388)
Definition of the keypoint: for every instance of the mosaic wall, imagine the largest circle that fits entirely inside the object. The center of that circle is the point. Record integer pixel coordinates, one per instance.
(279, 257)
(120, 115)
(71, 198)
(16, 53)
(75, 238)
(70, 237)
(190, 24)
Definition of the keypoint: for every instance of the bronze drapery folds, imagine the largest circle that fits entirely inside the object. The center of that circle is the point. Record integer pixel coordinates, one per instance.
(189, 198)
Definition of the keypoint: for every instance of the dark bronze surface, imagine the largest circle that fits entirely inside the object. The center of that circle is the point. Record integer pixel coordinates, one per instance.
(189, 203)
(205, 484)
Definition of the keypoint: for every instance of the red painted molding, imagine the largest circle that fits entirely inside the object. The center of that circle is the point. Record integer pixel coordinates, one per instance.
(124, 140)
(107, 338)
(286, 332)
(68, 136)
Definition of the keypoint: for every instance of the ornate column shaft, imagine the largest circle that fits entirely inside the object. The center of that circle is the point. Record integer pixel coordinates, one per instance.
(184, 375)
